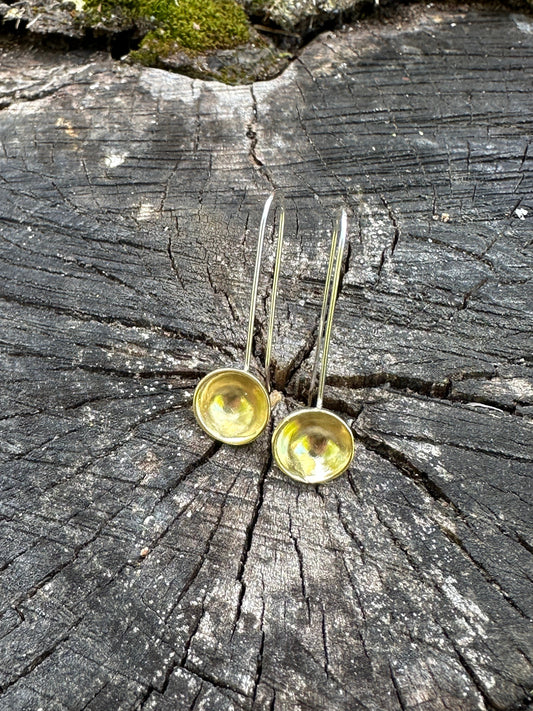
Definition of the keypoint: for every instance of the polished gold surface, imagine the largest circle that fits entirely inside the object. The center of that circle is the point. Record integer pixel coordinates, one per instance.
(231, 405)
(313, 445)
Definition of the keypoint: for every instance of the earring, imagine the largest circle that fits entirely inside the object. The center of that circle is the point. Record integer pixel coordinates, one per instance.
(232, 405)
(315, 445)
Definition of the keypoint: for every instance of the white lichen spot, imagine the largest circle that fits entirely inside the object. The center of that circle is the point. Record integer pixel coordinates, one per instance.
(521, 213)
(523, 25)
(113, 160)
(145, 211)
(488, 680)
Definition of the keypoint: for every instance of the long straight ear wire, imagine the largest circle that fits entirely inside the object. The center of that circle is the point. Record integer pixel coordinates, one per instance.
(274, 293)
(255, 282)
(232, 405)
(312, 444)
(325, 303)
(333, 290)
(274, 290)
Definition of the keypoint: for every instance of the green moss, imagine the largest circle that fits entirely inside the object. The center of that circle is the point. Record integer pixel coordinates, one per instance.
(192, 26)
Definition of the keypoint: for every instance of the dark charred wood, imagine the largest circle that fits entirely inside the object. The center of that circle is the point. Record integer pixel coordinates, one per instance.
(144, 566)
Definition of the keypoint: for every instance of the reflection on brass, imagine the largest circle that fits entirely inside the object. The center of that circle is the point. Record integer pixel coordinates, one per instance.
(313, 445)
(231, 405)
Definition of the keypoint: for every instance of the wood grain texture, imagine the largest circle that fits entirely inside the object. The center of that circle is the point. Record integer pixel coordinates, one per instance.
(146, 567)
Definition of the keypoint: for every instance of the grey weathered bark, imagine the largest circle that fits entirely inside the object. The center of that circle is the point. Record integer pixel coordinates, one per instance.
(143, 565)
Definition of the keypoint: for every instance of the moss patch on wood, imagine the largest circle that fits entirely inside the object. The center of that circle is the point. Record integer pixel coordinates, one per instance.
(191, 26)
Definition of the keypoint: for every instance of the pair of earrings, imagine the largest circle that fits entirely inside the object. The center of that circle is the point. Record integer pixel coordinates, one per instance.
(233, 406)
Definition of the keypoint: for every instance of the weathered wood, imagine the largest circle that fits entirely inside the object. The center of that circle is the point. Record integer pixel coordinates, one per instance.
(143, 565)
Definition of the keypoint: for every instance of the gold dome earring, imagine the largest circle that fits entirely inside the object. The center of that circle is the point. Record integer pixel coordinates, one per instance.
(232, 405)
(312, 444)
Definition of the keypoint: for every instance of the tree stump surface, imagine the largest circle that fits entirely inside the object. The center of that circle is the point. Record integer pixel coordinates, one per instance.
(144, 566)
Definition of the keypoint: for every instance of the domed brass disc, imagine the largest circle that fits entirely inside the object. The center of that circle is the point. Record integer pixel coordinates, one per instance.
(231, 405)
(313, 445)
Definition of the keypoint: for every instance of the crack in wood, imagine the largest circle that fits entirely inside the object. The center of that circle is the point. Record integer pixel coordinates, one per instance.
(220, 290)
(389, 251)
(325, 641)
(351, 533)
(214, 681)
(259, 659)
(181, 663)
(43, 656)
(207, 547)
(440, 390)
(251, 134)
(122, 321)
(472, 675)
(456, 540)
(301, 567)
(403, 464)
(470, 293)
(397, 690)
(249, 536)
(115, 446)
(173, 264)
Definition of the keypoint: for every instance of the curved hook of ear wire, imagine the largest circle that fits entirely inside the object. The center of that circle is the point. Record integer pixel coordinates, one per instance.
(331, 288)
(277, 198)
